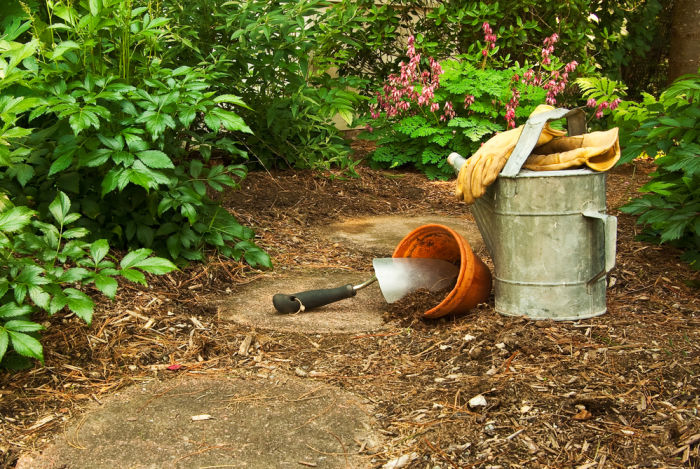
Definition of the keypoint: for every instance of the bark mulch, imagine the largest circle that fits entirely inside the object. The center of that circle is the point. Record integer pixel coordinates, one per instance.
(619, 390)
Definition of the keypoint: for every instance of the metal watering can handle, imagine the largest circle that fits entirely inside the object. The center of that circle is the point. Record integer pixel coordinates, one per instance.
(610, 241)
(576, 121)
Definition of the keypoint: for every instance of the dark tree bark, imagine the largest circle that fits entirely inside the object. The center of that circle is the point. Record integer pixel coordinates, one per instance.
(685, 39)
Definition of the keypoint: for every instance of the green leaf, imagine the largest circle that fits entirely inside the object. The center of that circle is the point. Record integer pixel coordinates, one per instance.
(155, 265)
(82, 120)
(113, 143)
(213, 122)
(80, 304)
(232, 99)
(76, 233)
(134, 257)
(74, 274)
(15, 219)
(257, 257)
(156, 123)
(187, 116)
(15, 132)
(32, 275)
(95, 7)
(23, 326)
(63, 47)
(13, 310)
(18, 55)
(98, 250)
(142, 179)
(4, 341)
(39, 297)
(58, 302)
(24, 173)
(20, 292)
(133, 275)
(26, 345)
(200, 188)
(106, 285)
(347, 116)
(111, 180)
(196, 168)
(63, 162)
(71, 217)
(59, 207)
(229, 119)
(123, 158)
(155, 159)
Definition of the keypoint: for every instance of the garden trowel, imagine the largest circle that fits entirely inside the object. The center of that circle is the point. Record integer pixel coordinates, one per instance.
(397, 277)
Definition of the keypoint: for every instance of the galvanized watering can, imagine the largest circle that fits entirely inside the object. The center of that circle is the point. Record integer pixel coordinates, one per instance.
(551, 242)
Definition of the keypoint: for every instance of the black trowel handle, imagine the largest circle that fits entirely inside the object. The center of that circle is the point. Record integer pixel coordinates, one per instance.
(306, 300)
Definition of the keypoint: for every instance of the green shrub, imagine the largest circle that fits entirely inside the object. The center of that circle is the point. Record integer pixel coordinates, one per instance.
(46, 267)
(269, 53)
(620, 38)
(425, 112)
(667, 129)
(128, 136)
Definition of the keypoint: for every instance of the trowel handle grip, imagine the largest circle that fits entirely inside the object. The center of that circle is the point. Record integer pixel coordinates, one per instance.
(306, 300)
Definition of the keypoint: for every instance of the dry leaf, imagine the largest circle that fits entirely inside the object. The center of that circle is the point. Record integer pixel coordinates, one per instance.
(583, 415)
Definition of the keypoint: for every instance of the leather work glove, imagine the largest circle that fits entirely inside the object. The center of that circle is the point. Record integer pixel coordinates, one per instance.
(482, 169)
(598, 150)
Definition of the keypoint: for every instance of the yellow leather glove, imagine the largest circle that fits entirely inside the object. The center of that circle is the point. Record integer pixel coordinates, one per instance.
(484, 166)
(598, 150)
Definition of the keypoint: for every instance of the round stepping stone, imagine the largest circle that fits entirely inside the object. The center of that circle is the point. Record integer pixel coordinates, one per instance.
(252, 304)
(199, 421)
(383, 233)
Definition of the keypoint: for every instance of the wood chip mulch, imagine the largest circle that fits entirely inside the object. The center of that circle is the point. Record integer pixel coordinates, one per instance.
(619, 390)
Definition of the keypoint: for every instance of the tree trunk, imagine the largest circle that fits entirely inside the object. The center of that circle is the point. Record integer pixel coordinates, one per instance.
(685, 39)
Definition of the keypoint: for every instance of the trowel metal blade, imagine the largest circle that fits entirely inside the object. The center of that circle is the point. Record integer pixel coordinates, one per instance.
(399, 276)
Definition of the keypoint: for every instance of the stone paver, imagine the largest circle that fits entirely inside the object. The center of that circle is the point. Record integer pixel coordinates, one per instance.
(278, 422)
(252, 304)
(383, 233)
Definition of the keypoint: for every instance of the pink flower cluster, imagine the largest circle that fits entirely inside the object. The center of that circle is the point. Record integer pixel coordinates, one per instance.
(511, 106)
(411, 85)
(556, 82)
(489, 37)
(468, 100)
(513, 103)
(549, 48)
(602, 106)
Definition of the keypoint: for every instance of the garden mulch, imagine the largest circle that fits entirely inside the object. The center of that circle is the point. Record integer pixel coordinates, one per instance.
(618, 390)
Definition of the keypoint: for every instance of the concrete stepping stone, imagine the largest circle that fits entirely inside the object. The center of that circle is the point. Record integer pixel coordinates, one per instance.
(383, 233)
(252, 304)
(201, 421)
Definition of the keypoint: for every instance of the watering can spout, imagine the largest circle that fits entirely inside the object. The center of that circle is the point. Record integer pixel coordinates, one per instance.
(456, 161)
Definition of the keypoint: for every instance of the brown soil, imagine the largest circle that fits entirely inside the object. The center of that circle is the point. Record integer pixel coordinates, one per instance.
(409, 311)
(619, 390)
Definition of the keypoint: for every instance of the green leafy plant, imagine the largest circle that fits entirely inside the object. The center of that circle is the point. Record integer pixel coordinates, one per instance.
(667, 129)
(622, 39)
(47, 267)
(269, 53)
(129, 137)
(424, 113)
